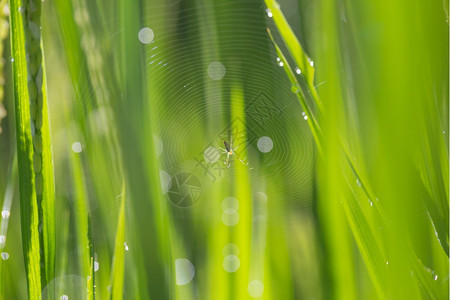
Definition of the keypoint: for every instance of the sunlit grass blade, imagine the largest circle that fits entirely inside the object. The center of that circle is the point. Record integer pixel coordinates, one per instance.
(33, 146)
(118, 265)
(152, 229)
(90, 281)
(81, 216)
(300, 93)
(335, 141)
(293, 45)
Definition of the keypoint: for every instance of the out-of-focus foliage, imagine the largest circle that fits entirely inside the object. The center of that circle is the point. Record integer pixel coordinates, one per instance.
(335, 114)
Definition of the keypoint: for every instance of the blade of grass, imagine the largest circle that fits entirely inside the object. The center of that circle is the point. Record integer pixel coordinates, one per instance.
(365, 239)
(152, 231)
(33, 146)
(300, 94)
(293, 45)
(118, 265)
(81, 215)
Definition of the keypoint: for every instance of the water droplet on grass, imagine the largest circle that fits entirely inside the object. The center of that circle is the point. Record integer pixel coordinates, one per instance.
(146, 35)
(216, 70)
(96, 266)
(231, 263)
(64, 297)
(305, 117)
(298, 71)
(255, 288)
(265, 144)
(76, 147)
(281, 64)
(269, 13)
(184, 271)
(126, 246)
(435, 277)
(5, 255)
(230, 217)
(5, 214)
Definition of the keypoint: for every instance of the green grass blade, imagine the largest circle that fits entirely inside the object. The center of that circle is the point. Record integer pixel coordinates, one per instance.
(300, 93)
(118, 265)
(33, 146)
(293, 45)
(48, 190)
(90, 281)
(81, 215)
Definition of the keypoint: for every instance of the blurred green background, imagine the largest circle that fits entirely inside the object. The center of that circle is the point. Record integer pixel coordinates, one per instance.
(141, 96)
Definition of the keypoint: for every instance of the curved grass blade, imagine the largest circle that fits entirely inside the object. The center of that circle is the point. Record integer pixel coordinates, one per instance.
(357, 217)
(293, 45)
(301, 95)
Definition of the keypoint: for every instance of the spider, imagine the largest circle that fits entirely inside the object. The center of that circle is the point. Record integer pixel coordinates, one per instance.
(229, 150)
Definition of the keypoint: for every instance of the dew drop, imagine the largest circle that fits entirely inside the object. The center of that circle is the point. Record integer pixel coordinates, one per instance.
(2, 240)
(298, 71)
(305, 117)
(5, 214)
(265, 144)
(76, 147)
(64, 297)
(281, 64)
(184, 271)
(278, 59)
(255, 288)
(269, 13)
(303, 113)
(12, 59)
(435, 277)
(231, 263)
(311, 63)
(387, 262)
(126, 246)
(146, 35)
(230, 217)
(5, 255)
(96, 266)
(216, 70)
